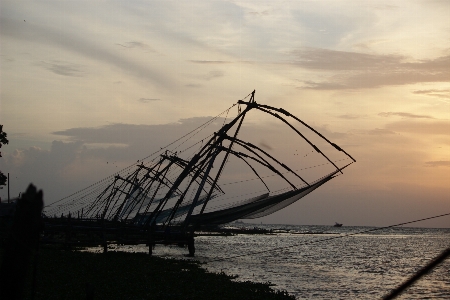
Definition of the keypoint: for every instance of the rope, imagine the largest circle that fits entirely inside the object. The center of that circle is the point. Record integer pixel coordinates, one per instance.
(283, 173)
(327, 239)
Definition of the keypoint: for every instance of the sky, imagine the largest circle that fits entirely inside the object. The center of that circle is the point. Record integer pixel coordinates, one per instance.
(89, 87)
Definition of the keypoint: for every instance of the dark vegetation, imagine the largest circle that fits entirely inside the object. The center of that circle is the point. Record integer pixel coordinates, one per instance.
(119, 275)
(3, 141)
(32, 271)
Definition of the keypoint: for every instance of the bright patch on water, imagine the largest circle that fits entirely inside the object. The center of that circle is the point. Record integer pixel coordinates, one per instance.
(364, 266)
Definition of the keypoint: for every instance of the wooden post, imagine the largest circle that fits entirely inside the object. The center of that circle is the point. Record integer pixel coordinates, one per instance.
(105, 244)
(68, 232)
(150, 242)
(22, 239)
(191, 244)
(151, 237)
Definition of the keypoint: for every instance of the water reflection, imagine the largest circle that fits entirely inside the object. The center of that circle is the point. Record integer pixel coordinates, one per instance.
(363, 266)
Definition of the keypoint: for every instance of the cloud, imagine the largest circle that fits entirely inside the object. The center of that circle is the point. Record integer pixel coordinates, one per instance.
(323, 59)
(386, 7)
(325, 27)
(63, 68)
(83, 46)
(324, 130)
(265, 145)
(47, 169)
(133, 45)
(210, 62)
(369, 44)
(147, 100)
(17, 134)
(378, 131)
(434, 93)
(140, 45)
(139, 141)
(350, 117)
(322, 85)
(193, 85)
(404, 115)
(114, 133)
(212, 75)
(440, 163)
(431, 127)
(142, 139)
(355, 70)
(257, 13)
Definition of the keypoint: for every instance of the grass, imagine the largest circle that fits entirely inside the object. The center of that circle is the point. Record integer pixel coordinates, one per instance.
(119, 275)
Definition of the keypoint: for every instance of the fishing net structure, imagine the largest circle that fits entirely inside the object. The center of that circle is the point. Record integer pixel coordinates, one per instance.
(224, 170)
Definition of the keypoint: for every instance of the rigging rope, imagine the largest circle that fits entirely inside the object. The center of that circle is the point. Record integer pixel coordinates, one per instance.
(320, 165)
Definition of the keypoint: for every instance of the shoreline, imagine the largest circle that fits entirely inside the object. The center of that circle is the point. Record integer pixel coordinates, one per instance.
(121, 275)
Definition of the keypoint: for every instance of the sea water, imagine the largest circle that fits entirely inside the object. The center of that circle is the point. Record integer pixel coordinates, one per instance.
(323, 262)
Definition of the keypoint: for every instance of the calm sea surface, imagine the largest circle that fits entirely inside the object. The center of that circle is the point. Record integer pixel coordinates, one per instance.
(317, 262)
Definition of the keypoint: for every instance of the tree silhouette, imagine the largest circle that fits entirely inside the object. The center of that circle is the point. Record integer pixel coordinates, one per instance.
(3, 141)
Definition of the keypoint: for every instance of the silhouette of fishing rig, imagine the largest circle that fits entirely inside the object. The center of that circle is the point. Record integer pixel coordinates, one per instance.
(165, 198)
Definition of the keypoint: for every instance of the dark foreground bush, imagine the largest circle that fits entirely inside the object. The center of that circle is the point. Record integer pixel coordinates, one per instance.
(118, 275)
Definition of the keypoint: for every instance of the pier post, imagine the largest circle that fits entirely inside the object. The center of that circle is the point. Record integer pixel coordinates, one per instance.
(191, 245)
(105, 244)
(68, 232)
(150, 241)
(151, 237)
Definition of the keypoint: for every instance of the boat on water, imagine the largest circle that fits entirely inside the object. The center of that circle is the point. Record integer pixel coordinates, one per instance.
(336, 224)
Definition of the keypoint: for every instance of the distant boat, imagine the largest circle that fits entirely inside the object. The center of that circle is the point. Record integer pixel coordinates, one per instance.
(336, 224)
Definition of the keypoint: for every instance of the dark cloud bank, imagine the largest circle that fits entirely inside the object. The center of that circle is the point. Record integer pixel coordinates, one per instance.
(355, 70)
(75, 164)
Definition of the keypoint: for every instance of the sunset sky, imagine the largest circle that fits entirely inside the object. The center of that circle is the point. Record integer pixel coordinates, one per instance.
(86, 82)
